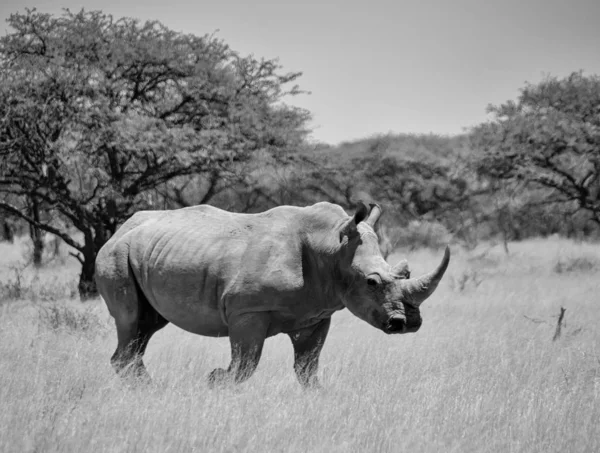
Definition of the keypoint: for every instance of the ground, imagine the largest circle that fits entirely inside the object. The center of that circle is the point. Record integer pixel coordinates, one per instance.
(482, 374)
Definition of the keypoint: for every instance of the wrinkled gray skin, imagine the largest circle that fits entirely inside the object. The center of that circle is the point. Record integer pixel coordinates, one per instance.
(252, 276)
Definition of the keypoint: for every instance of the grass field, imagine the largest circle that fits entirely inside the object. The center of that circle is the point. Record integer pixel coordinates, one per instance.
(482, 374)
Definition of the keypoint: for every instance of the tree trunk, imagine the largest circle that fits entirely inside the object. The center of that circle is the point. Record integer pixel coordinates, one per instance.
(505, 223)
(37, 235)
(87, 283)
(56, 246)
(94, 239)
(7, 232)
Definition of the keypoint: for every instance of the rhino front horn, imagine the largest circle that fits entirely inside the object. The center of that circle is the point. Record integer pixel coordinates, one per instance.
(416, 290)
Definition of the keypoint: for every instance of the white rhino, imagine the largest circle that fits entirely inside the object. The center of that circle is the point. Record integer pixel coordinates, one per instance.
(252, 276)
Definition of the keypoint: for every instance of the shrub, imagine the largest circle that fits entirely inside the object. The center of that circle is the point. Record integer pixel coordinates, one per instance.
(14, 286)
(21, 282)
(575, 264)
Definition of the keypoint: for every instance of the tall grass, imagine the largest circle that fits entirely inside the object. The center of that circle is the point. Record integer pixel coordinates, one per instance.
(479, 376)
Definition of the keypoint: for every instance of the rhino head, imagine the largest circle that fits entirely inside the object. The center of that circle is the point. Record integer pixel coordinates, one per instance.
(384, 296)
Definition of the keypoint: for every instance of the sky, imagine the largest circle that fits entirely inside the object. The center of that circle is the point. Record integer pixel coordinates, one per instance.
(380, 66)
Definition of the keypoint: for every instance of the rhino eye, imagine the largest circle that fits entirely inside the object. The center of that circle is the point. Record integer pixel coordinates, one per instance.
(373, 280)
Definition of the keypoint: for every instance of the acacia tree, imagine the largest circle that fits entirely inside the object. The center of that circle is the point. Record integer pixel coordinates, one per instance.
(549, 139)
(96, 113)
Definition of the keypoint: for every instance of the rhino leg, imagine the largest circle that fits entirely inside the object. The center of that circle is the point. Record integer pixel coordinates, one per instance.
(136, 322)
(247, 335)
(308, 344)
(133, 340)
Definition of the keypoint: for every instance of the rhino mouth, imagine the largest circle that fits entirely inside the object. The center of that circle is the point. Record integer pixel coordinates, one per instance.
(398, 324)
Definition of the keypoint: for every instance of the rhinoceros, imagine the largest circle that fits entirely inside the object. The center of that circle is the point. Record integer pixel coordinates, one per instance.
(251, 276)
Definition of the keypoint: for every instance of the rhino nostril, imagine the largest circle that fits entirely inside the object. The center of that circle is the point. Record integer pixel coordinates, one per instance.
(396, 324)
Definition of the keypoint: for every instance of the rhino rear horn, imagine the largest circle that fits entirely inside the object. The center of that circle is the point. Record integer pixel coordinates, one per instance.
(417, 290)
(374, 214)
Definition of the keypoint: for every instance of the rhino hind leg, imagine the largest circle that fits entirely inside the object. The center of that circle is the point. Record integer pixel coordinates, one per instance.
(133, 338)
(136, 321)
(247, 334)
(308, 344)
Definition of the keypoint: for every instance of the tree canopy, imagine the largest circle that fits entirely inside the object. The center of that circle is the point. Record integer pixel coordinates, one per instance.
(548, 139)
(97, 112)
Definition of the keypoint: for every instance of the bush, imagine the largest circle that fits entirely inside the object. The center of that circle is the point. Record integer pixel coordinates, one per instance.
(13, 287)
(576, 264)
(20, 282)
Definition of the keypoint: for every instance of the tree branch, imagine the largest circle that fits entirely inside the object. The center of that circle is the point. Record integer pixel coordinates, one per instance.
(77, 256)
(50, 229)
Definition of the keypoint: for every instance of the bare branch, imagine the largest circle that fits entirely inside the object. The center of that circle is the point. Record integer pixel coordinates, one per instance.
(50, 229)
(77, 256)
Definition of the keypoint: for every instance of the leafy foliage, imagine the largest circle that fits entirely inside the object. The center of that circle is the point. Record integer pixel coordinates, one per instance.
(550, 139)
(415, 179)
(97, 113)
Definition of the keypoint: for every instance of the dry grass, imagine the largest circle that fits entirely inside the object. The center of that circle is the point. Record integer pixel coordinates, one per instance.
(479, 376)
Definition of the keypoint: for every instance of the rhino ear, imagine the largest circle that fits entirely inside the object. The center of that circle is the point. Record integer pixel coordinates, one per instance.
(401, 270)
(362, 211)
(349, 227)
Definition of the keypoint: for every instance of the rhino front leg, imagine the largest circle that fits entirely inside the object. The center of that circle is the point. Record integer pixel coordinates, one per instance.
(308, 344)
(247, 335)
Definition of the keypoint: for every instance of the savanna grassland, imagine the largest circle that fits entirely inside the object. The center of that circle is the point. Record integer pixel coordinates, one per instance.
(482, 374)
